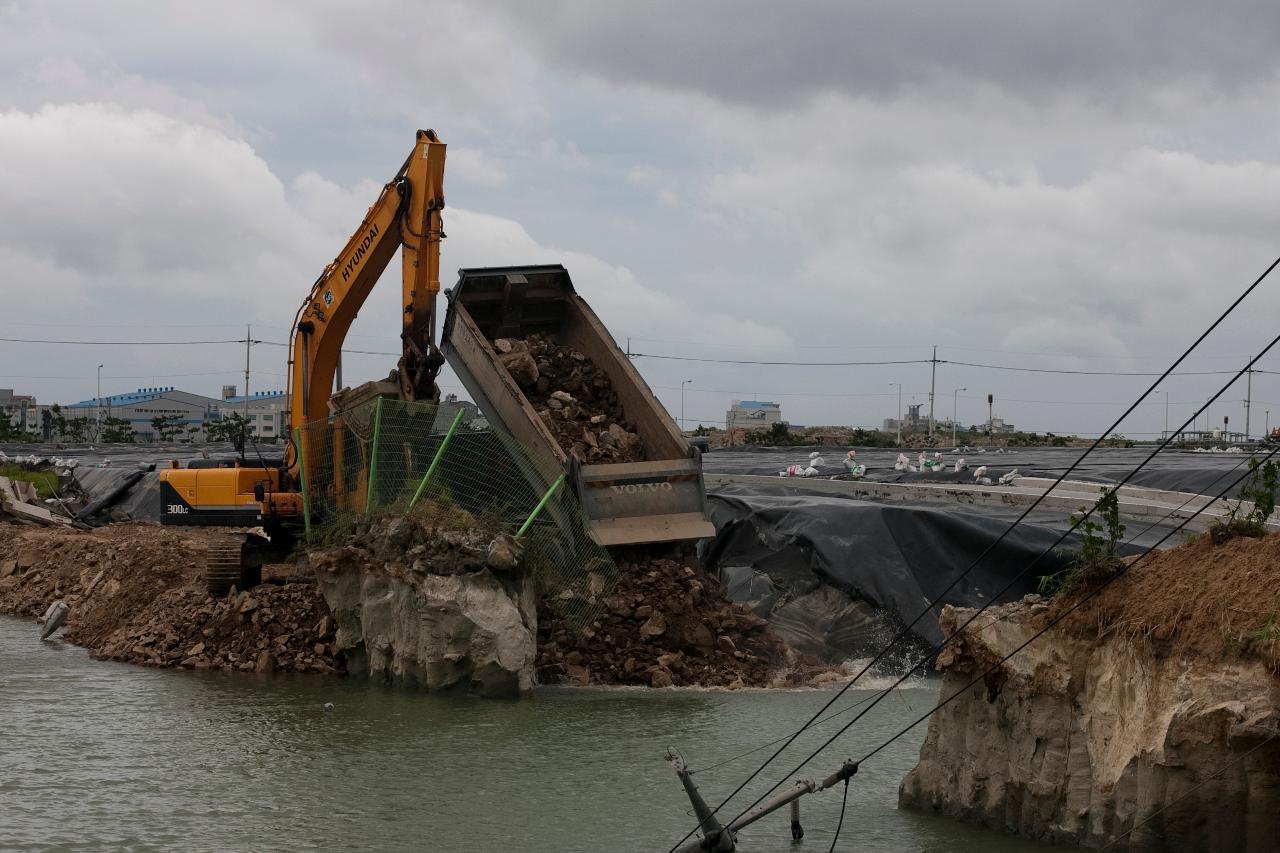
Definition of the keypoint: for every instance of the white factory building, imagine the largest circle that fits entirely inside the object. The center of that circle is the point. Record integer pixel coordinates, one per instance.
(190, 412)
(752, 415)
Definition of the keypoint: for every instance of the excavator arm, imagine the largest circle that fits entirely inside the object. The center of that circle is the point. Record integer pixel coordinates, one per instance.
(406, 216)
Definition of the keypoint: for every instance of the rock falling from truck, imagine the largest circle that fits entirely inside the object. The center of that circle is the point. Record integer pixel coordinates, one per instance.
(574, 398)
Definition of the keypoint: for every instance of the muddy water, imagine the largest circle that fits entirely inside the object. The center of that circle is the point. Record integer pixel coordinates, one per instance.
(97, 755)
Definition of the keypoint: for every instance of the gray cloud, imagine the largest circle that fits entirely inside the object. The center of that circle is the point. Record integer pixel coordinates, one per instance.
(767, 52)
(728, 180)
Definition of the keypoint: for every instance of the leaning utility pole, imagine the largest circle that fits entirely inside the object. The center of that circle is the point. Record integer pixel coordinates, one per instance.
(933, 381)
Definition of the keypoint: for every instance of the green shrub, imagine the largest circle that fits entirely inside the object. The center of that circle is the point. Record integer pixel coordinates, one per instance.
(1097, 557)
(1260, 490)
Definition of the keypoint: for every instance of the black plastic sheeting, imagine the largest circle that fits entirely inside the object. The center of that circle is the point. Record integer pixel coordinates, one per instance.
(140, 503)
(772, 549)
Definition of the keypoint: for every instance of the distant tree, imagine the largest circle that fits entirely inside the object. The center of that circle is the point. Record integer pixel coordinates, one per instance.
(232, 428)
(57, 421)
(778, 434)
(77, 429)
(165, 427)
(872, 438)
(8, 430)
(702, 430)
(116, 431)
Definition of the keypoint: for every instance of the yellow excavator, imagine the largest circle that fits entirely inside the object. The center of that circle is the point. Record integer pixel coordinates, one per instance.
(406, 216)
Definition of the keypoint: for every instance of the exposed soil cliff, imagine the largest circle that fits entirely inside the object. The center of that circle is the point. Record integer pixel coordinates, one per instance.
(436, 603)
(1149, 719)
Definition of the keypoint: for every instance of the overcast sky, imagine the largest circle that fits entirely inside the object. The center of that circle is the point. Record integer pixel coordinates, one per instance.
(1067, 186)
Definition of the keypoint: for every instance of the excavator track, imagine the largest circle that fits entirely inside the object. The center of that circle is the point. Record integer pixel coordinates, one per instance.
(223, 564)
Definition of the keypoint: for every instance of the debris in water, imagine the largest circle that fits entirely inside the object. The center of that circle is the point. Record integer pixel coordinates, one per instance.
(54, 618)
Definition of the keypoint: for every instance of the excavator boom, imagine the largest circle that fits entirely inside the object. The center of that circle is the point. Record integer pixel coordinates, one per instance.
(406, 216)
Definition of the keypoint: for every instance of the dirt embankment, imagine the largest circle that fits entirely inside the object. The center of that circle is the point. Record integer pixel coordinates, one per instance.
(135, 595)
(667, 622)
(1148, 719)
(1203, 600)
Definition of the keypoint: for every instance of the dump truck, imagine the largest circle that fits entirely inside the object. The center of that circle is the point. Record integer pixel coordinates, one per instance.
(658, 500)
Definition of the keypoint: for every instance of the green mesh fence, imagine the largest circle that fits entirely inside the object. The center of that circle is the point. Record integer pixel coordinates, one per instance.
(445, 464)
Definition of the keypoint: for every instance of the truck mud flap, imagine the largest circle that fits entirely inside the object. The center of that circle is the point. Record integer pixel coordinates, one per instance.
(638, 502)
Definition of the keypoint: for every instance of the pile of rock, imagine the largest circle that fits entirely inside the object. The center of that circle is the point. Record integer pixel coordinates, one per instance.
(574, 398)
(667, 622)
(265, 629)
(136, 594)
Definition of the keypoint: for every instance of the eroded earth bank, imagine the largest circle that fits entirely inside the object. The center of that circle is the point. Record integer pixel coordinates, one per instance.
(1147, 719)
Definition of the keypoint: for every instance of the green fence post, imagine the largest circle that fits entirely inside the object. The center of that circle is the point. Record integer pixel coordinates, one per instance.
(431, 469)
(537, 509)
(302, 470)
(373, 455)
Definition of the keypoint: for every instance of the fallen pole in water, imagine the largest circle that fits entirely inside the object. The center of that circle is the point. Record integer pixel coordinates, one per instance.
(724, 839)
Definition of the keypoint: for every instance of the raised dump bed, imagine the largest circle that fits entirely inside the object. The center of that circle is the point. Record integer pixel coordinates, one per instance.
(659, 500)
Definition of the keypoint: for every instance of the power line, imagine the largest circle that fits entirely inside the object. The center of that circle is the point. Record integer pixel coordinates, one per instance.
(1131, 541)
(1121, 572)
(1062, 371)
(1026, 512)
(996, 597)
(781, 363)
(1083, 372)
(120, 343)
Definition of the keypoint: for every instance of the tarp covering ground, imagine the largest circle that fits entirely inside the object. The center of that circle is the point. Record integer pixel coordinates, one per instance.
(778, 550)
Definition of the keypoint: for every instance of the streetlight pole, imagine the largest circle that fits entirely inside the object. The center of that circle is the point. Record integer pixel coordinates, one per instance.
(955, 405)
(97, 427)
(682, 384)
(897, 418)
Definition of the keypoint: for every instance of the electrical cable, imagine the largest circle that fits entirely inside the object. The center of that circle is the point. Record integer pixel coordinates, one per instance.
(905, 630)
(1025, 570)
(1121, 572)
(927, 361)
(763, 746)
(1081, 372)
(120, 343)
(840, 823)
(784, 363)
(979, 678)
(1131, 541)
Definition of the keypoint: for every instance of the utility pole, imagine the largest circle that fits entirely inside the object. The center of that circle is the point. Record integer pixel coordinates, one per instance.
(1248, 400)
(955, 408)
(682, 384)
(897, 418)
(97, 429)
(933, 381)
(248, 342)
